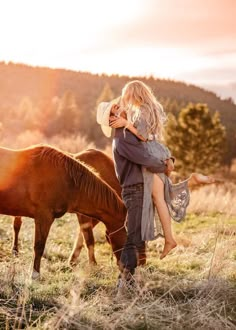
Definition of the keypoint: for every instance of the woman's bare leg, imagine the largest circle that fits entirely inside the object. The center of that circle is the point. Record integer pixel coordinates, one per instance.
(198, 178)
(163, 212)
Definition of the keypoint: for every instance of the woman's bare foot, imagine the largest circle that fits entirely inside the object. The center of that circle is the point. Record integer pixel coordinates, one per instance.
(198, 178)
(167, 248)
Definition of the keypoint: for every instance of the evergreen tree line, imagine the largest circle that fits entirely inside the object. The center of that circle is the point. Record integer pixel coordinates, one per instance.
(63, 102)
(195, 136)
(62, 116)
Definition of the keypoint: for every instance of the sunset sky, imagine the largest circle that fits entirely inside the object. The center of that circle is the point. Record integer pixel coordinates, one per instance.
(186, 40)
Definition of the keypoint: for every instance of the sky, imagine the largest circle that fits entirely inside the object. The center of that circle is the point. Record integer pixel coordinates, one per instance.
(185, 40)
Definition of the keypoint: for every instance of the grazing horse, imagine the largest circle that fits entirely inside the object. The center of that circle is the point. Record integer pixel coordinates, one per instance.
(104, 166)
(44, 183)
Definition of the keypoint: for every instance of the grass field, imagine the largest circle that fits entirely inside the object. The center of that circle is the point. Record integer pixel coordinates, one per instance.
(192, 288)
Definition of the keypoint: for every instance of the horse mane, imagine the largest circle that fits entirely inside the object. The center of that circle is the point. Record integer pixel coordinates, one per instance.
(83, 176)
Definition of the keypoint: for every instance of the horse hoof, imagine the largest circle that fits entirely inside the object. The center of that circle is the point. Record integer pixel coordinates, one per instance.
(93, 263)
(72, 263)
(35, 275)
(15, 253)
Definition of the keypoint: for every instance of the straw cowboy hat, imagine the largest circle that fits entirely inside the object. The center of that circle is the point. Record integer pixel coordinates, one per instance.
(103, 114)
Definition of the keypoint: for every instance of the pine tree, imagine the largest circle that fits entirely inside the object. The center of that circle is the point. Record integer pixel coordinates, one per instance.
(106, 94)
(68, 114)
(196, 138)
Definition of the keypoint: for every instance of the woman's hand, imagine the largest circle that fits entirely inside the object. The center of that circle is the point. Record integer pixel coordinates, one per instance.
(117, 122)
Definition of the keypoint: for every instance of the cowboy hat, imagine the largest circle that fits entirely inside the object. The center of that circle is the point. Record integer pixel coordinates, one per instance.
(103, 114)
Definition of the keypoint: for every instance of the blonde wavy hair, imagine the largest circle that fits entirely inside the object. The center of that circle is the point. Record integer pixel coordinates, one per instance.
(138, 99)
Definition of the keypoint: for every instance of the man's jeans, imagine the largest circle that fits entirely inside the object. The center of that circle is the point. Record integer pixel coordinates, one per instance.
(133, 199)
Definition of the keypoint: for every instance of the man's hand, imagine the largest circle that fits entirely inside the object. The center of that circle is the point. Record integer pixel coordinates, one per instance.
(117, 122)
(170, 166)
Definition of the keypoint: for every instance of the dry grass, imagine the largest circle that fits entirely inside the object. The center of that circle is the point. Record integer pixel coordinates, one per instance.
(214, 198)
(192, 288)
(186, 305)
(71, 143)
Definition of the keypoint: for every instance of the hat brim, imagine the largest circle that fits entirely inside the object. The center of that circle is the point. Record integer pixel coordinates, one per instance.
(106, 130)
(104, 119)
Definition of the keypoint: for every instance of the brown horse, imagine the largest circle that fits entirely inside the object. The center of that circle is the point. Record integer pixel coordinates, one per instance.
(104, 166)
(44, 183)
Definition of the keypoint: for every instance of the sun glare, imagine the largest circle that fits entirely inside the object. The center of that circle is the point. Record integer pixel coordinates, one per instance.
(108, 37)
(49, 32)
(161, 62)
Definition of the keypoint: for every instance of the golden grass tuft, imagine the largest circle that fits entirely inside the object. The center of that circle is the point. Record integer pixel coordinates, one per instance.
(214, 198)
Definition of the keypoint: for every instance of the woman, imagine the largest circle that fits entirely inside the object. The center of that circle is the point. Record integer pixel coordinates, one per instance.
(140, 113)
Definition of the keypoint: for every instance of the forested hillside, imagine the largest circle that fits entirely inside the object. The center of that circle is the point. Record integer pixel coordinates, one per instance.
(58, 101)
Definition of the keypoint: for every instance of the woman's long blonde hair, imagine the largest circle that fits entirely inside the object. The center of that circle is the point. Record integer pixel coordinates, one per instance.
(141, 96)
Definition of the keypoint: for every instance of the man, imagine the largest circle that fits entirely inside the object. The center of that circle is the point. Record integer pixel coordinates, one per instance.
(130, 154)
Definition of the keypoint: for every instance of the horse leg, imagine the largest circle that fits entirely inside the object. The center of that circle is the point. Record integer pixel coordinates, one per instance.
(86, 232)
(42, 227)
(16, 228)
(79, 243)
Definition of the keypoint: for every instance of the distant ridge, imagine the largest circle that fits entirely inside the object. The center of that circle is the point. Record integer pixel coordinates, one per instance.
(41, 84)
